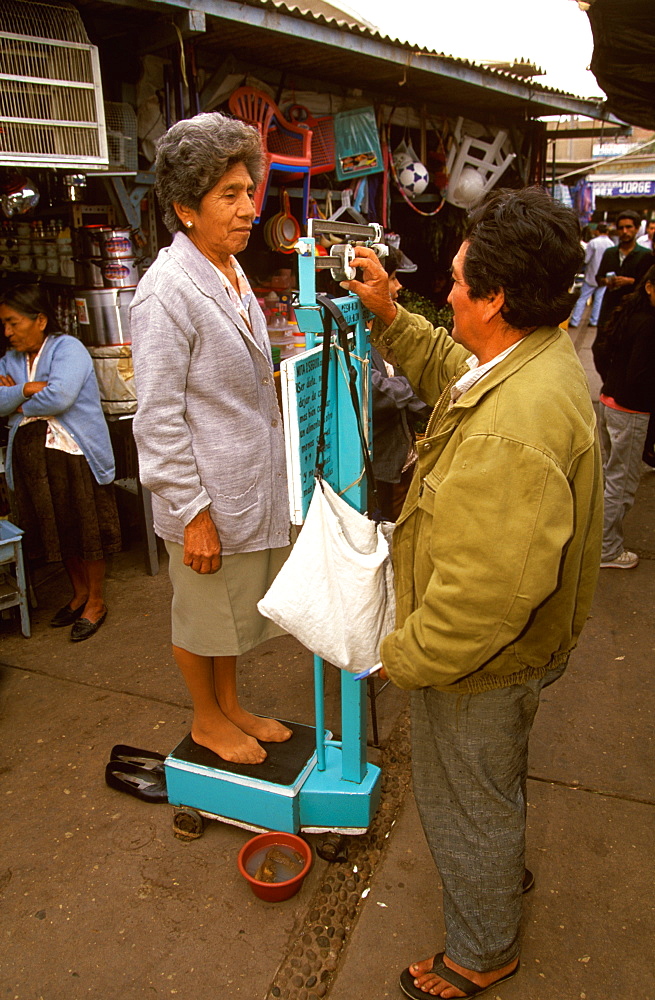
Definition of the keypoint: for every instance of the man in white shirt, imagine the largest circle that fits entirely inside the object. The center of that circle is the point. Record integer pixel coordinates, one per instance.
(496, 556)
(647, 239)
(590, 289)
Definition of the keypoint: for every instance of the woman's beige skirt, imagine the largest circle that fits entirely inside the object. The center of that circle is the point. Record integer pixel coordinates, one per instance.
(215, 614)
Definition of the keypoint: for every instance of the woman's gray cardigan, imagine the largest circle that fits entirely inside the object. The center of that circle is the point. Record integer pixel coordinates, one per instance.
(208, 427)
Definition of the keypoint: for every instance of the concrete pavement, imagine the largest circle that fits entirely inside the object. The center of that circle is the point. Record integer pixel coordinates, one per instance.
(100, 900)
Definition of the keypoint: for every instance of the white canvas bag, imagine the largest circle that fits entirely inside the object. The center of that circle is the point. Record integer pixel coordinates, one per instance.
(335, 591)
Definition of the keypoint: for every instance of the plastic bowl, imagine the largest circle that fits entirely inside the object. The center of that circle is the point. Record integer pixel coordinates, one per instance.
(273, 892)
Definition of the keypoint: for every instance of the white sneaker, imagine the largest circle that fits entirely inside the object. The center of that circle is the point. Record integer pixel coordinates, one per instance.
(627, 560)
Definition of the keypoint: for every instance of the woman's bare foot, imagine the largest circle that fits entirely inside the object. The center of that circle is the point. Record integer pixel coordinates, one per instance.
(229, 742)
(432, 984)
(266, 730)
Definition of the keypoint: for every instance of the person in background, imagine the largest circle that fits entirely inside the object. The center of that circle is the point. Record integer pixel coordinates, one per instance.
(208, 427)
(647, 239)
(395, 406)
(496, 557)
(621, 268)
(60, 464)
(627, 399)
(649, 447)
(594, 251)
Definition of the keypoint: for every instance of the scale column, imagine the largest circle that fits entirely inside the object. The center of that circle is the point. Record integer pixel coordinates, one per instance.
(353, 728)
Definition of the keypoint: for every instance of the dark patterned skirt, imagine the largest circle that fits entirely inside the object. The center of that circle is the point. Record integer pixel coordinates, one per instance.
(57, 502)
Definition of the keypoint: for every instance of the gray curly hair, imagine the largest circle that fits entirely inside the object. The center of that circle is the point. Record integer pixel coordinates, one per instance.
(193, 155)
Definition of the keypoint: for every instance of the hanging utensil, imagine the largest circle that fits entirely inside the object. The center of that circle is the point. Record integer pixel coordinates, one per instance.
(288, 228)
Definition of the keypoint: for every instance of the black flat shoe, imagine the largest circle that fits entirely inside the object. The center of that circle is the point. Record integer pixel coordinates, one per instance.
(142, 782)
(84, 629)
(66, 616)
(149, 759)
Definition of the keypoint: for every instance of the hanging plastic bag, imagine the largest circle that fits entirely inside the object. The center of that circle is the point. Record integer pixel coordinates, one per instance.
(357, 144)
(335, 591)
(403, 154)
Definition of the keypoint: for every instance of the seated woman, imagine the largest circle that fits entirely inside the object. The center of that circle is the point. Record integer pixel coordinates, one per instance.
(60, 465)
(208, 427)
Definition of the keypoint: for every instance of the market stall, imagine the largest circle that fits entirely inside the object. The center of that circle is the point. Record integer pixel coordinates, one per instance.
(355, 126)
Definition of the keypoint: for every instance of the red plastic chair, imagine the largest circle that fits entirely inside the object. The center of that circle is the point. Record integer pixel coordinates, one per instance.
(323, 152)
(287, 147)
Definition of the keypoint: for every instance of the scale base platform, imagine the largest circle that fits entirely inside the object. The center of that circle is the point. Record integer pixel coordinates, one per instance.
(285, 792)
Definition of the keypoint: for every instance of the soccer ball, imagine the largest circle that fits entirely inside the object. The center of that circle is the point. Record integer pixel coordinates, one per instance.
(413, 178)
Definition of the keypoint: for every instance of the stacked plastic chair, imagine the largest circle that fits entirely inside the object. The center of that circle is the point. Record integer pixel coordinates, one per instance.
(287, 146)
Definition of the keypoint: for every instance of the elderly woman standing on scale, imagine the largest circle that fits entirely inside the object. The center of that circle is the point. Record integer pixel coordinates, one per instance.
(208, 427)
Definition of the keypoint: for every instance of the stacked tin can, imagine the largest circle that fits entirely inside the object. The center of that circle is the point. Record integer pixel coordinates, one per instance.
(108, 258)
(110, 276)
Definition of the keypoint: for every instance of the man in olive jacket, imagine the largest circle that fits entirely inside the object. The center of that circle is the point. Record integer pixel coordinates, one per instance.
(496, 556)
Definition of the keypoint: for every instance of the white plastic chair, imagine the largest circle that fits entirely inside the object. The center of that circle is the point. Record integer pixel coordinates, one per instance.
(482, 155)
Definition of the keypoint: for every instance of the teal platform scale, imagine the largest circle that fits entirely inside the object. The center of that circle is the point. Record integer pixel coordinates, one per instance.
(311, 783)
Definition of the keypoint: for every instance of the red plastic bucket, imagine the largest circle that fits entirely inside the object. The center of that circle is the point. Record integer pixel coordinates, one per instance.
(273, 892)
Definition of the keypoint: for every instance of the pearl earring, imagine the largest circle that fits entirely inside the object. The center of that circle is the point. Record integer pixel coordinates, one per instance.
(188, 224)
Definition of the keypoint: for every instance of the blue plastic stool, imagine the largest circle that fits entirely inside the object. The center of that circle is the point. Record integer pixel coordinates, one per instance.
(16, 593)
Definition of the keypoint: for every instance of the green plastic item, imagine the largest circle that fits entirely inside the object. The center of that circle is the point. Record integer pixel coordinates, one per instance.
(357, 144)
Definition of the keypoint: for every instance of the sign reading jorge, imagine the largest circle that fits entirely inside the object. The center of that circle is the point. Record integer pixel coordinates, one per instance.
(622, 189)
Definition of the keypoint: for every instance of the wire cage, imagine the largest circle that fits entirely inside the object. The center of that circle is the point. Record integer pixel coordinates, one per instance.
(120, 123)
(51, 111)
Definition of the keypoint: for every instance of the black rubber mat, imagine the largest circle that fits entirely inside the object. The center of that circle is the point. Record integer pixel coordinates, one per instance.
(284, 763)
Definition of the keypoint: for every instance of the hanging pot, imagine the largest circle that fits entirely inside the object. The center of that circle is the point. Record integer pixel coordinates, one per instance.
(282, 230)
(18, 196)
(288, 227)
(268, 238)
(271, 230)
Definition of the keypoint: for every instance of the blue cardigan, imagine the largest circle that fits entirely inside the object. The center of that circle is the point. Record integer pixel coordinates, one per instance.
(72, 396)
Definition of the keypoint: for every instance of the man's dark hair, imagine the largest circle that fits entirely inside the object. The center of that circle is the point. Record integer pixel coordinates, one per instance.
(528, 245)
(601, 228)
(629, 214)
(392, 261)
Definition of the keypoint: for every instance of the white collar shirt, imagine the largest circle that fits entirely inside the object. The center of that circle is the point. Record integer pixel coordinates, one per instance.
(475, 373)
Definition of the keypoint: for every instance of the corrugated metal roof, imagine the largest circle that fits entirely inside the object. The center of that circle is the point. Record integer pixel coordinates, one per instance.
(313, 10)
(331, 12)
(322, 49)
